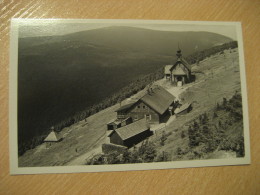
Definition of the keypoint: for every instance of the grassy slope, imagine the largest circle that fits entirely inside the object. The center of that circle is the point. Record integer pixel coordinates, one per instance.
(78, 139)
(205, 92)
(81, 137)
(58, 75)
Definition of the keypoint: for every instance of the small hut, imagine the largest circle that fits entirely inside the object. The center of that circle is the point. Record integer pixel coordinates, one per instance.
(53, 137)
(117, 123)
(183, 109)
(131, 134)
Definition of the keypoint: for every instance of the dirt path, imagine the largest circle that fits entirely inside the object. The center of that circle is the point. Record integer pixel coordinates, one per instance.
(81, 160)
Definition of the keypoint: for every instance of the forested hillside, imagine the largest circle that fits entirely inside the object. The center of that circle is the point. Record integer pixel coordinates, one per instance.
(217, 81)
(59, 76)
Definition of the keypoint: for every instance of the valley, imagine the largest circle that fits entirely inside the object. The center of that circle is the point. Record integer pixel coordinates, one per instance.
(219, 78)
(58, 76)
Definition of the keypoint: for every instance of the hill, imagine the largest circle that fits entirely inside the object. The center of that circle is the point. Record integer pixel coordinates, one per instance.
(83, 138)
(132, 39)
(59, 76)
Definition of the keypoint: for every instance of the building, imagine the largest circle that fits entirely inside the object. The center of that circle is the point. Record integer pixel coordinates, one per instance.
(183, 109)
(180, 72)
(117, 123)
(167, 71)
(131, 134)
(53, 137)
(155, 106)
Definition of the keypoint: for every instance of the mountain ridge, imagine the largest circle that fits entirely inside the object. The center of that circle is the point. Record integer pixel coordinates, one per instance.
(134, 38)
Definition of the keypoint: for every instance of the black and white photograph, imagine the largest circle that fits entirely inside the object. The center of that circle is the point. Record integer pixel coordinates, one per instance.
(118, 95)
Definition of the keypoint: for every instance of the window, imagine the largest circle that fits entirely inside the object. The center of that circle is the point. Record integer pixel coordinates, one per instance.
(148, 117)
(138, 106)
(143, 107)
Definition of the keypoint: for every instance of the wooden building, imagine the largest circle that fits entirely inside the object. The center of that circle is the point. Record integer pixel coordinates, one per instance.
(131, 134)
(183, 109)
(180, 72)
(167, 71)
(117, 123)
(53, 137)
(155, 106)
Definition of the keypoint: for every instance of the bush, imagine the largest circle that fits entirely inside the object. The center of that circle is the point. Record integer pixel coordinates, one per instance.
(179, 151)
(210, 136)
(163, 157)
(163, 138)
(235, 144)
(183, 135)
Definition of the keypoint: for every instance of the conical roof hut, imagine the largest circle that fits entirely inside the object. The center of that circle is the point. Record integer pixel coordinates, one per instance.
(52, 137)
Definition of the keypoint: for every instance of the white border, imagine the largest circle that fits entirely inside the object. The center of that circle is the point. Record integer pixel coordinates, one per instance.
(13, 79)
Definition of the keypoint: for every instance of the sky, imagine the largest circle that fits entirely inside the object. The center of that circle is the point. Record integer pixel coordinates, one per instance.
(32, 28)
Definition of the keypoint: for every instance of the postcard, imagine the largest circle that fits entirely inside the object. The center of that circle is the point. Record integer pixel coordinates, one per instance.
(118, 95)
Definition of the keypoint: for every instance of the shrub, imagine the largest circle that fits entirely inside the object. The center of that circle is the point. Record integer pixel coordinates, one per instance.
(163, 138)
(183, 134)
(179, 151)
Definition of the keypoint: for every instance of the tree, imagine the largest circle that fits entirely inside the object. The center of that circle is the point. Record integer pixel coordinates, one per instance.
(224, 103)
(205, 118)
(147, 151)
(164, 156)
(218, 106)
(183, 134)
(179, 151)
(220, 124)
(163, 138)
(240, 149)
(192, 135)
(215, 115)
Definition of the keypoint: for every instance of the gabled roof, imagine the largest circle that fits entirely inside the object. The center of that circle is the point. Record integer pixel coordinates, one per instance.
(132, 129)
(181, 61)
(184, 61)
(118, 121)
(179, 71)
(114, 121)
(167, 69)
(125, 107)
(52, 137)
(158, 99)
(182, 108)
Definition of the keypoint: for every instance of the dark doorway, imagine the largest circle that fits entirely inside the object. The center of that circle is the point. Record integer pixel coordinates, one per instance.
(179, 78)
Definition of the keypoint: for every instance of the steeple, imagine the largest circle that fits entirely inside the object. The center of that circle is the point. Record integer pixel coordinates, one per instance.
(52, 128)
(178, 54)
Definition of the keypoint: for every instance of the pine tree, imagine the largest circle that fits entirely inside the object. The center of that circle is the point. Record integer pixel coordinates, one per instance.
(163, 138)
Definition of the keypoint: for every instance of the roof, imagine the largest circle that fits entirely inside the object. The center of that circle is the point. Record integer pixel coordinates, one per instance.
(167, 69)
(118, 121)
(179, 71)
(132, 129)
(110, 133)
(159, 99)
(52, 137)
(182, 108)
(181, 61)
(115, 121)
(184, 61)
(125, 107)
